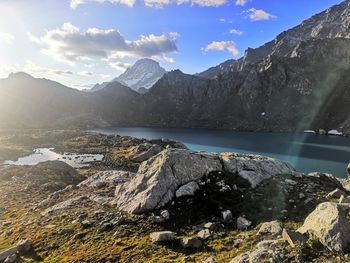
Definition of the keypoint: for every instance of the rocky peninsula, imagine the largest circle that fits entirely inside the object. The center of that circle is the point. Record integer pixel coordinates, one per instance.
(157, 201)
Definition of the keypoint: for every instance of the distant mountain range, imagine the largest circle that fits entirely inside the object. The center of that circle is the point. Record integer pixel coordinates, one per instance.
(140, 77)
(300, 80)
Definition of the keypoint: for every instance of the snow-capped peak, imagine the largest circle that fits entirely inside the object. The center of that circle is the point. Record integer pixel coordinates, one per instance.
(143, 74)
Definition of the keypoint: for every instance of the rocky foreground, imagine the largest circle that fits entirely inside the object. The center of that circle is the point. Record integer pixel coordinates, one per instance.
(157, 201)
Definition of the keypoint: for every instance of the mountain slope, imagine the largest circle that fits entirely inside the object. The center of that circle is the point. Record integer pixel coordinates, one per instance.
(298, 81)
(331, 23)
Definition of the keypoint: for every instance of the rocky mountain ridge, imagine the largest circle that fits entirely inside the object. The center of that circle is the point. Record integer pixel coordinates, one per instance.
(299, 81)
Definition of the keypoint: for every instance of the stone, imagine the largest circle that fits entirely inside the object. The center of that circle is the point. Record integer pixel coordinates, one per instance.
(254, 168)
(291, 182)
(145, 151)
(210, 226)
(204, 234)
(344, 199)
(24, 246)
(243, 223)
(165, 214)
(161, 176)
(329, 223)
(271, 228)
(293, 238)
(191, 242)
(187, 190)
(163, 236)
(226, 215)
(337, 193)
(264, 251)
(12, 259)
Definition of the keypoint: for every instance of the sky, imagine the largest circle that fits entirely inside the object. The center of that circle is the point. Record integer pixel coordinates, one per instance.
(83, 42)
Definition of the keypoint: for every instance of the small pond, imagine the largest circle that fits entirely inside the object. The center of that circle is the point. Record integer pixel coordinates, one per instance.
(47, 154)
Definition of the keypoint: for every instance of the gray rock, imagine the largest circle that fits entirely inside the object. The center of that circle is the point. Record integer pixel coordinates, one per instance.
(191, 242)
(165, 214)
(204, 234)
(187, 190)
(254, 168)
(291, 182)
(210, 226)
(271, 228)
(12, 259)
(243, 223)
(226, 215)
(24, 245)
(158, 179)
(329, 223)
(164, 236)
(263, 251)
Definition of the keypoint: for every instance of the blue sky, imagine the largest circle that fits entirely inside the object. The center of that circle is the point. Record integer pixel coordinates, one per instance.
(79, 42)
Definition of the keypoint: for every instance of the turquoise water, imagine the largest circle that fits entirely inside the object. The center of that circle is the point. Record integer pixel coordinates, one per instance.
(306, 152)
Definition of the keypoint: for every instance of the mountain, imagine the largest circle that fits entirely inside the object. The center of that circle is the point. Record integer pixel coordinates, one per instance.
(143, 74)
(300, 80)
(332, 23)
(139, 77)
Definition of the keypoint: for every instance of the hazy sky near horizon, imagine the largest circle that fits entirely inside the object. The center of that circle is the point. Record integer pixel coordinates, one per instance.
(82, 42)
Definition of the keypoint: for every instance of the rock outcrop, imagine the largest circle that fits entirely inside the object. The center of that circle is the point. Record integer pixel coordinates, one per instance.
(174, 172)
(254, 168)
(329, 223)
(158, 179)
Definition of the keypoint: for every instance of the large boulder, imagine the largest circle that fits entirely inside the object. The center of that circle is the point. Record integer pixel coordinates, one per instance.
(329, 223)
(173, 171)
(158, 179)
(254, 168)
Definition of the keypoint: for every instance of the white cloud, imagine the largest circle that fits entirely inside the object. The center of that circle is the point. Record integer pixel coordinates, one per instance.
(6, 37)
(235, 32)
(75, 3)
(203, 3)
(259, 14)
(85, 73)
(222, 46)
(69, 44)
(120, 66)
(241, 2)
